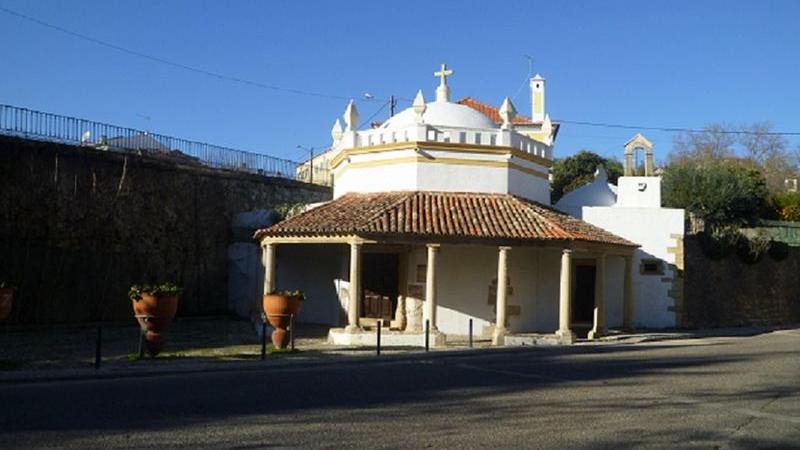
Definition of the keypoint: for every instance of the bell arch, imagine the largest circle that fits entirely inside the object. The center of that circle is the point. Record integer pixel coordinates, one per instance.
(639, 142)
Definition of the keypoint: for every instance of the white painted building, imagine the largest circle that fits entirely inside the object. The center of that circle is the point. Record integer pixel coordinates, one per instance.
(441, 216)
(633, 210)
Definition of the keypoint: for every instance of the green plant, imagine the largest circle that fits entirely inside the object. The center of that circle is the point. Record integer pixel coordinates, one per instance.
(574, 171)
(719, 242)
(288, 210)
(136, 291)
(720, 193)
(296, 293)
(790, 213)
(751, 250)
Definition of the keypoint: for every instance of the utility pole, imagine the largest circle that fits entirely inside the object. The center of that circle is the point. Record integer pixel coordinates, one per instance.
(392, 104)
(310, 151)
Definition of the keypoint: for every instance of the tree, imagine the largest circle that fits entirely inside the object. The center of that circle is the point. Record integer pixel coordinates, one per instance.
(752, 146)
(720, 193)
(575, 171)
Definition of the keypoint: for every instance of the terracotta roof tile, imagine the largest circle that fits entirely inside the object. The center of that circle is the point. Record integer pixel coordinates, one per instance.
(490, 111)
(447, 215)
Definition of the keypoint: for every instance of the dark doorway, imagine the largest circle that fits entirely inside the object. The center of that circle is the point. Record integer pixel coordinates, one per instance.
(380, 283)
(583, 297)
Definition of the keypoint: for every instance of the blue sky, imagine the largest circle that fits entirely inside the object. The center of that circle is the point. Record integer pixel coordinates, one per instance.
(654, 63)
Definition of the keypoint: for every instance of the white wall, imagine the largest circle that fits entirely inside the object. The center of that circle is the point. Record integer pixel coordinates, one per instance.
(316, 270)
(387, 171)
(528, 186)
(639, 192)
(465, 274)
(653, 229)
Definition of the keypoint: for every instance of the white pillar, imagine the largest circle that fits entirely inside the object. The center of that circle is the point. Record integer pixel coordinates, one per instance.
(599, 326)
(500, 330)
(268, 261)
(355, 287)
(430, 286)
(565, 296)
(628, 301)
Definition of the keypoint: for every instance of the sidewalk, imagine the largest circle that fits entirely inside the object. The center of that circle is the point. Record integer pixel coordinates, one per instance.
(225, 343)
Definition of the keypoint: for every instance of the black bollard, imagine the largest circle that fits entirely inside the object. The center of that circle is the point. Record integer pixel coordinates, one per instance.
(291, 331)
(427, 335)
(263, 339)
(470, 333)
(378, 341)
(141, 342)
(97, 348)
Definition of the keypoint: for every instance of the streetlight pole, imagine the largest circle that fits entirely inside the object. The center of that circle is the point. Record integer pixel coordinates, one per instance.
(310, 151)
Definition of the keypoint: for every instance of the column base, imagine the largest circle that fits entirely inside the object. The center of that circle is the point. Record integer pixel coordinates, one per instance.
(565, 336)
(499, 336)
(595, 333)
(353, 329)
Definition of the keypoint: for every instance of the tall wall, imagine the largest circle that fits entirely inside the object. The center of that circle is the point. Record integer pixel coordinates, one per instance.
(78, 226)
(729, 292)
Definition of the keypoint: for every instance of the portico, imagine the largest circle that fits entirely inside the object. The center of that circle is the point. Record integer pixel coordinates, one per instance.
(462, 204)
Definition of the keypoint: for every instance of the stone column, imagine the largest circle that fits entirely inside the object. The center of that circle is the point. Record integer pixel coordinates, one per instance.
(565, 297)
(430, 287)
(627, 299)
(500, 331)
(355, 287)
(599, 326)
(268, 261)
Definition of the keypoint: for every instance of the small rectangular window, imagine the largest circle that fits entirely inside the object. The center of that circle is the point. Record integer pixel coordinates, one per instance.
(651, 267)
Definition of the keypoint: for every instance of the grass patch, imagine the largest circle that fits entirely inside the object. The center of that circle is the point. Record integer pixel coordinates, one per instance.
(271, 349)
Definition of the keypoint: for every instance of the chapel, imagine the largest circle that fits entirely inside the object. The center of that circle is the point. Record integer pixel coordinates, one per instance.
(441, 221)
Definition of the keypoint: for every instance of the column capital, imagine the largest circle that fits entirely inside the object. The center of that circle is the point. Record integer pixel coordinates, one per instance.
(504, 248)
(567, 251)
(433, 246)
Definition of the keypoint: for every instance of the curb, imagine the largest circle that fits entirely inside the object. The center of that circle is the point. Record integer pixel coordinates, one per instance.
(234, 366)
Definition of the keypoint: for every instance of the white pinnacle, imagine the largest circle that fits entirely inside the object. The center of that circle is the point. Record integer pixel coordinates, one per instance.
(419, 106)
(507, 113)
(351, 116)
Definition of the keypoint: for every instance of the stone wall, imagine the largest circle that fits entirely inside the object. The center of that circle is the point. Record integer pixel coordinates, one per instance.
(78, 226)
(730, 292)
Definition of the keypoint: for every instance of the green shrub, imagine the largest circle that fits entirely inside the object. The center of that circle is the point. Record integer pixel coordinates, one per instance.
(720, 242)
(136, 291)
(751, 250)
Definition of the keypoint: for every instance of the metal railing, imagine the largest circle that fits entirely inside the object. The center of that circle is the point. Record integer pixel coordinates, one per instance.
(43, 126)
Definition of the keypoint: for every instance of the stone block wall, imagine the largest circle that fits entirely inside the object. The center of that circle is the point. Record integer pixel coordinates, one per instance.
(78, 226)
(729, 292)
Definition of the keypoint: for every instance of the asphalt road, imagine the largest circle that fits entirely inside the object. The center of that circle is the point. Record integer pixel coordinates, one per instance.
(741, 392)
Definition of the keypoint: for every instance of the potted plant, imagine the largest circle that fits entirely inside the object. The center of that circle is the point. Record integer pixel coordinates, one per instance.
(279, 306)
(154, 306)
(6, 299)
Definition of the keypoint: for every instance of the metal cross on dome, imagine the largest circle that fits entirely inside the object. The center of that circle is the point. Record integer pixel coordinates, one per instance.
(443, 74)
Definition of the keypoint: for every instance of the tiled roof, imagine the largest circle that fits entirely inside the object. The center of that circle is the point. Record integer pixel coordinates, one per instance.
(490, 111)
(446, 215)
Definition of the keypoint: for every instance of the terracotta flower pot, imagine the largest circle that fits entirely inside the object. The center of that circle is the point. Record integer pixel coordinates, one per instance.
(161, 308)
(6, 302)
(278, 308)
(280, 337)
(154, 343)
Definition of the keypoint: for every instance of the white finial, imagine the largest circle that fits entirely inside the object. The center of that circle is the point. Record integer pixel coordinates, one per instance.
(443, 92)
(336, 132)
(507, 113)
(419, 106)
(351, 116)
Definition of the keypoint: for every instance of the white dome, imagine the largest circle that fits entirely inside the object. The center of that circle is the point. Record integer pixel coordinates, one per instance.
(442, 114)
